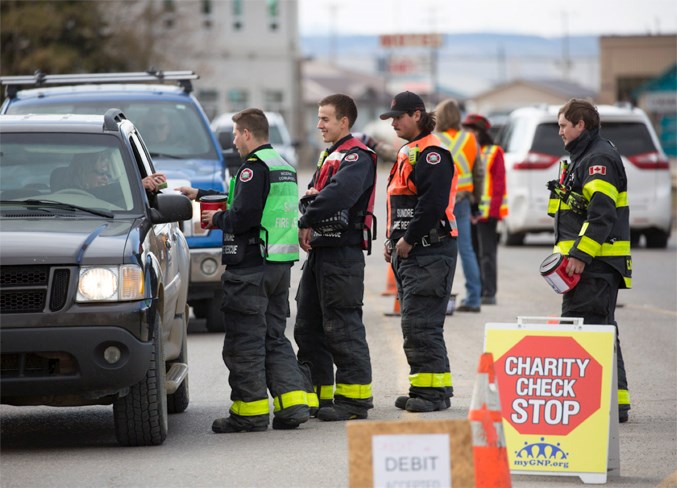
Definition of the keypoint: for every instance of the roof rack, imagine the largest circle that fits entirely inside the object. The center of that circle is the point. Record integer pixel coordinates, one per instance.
(39, 79)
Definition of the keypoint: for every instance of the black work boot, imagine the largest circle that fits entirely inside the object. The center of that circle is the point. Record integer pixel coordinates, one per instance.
(401, 401)
(422, 405)
(341, 412)
(291, 417)
(323, 404)
(232, 424)
(623, 413)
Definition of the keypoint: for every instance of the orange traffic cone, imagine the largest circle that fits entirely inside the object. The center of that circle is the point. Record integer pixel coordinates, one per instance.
(391, 286)
(396, 309)
(491, 456)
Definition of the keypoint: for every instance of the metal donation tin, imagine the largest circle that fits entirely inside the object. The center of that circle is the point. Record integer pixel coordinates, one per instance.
(553, 269)
(211, 202)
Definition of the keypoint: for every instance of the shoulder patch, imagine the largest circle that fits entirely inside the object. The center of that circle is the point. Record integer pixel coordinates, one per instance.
(246, 174)
(433, 158)
(351, 157)
(598, 169)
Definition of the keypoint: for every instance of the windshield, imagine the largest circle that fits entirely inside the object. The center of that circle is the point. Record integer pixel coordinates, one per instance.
(630, 138)
(170, 129)
(84, 170)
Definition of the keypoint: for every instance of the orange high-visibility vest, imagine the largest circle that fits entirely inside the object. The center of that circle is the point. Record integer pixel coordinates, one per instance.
(488, 156)
(462, 145)
(402, 193)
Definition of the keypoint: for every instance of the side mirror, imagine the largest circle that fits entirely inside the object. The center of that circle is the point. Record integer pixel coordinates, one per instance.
(233, 161)
(226, 140)
(171, 207)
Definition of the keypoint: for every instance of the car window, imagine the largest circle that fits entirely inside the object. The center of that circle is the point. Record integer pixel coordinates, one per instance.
(87, 170)
(517, 136)
(169, 128)
(547, 140)
(630, 138)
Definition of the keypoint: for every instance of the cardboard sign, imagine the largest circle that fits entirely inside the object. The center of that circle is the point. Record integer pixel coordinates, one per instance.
(558, 397)
(435, 453)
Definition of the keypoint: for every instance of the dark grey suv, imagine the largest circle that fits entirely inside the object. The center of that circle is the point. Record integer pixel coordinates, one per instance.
(93, 273)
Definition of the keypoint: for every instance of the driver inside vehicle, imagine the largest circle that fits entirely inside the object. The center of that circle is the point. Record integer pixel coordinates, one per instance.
(92, 174)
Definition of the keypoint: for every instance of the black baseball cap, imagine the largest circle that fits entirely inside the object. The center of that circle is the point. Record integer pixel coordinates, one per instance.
(404, 103)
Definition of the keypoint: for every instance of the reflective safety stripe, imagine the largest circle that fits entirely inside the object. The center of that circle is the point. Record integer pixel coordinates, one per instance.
(430, 380)
(313, 401)
(283, 249)
(600, 186)
(622, 199)
(326, 391)
(618, 248)
(249, 409)
(623, 397)
(289, 399)
(584, 227)
(589, 246)
(359, 392)
(456, 145)
(554, 205)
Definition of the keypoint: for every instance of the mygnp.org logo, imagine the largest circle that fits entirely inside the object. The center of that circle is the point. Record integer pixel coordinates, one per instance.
(541, 454)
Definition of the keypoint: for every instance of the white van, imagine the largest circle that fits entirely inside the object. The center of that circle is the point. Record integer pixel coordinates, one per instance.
(278, 135)
(533, 149)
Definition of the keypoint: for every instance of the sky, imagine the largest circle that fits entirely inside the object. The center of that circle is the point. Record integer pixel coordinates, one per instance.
(545, 18)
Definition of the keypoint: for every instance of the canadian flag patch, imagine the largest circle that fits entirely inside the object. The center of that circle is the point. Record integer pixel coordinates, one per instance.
(597, 170)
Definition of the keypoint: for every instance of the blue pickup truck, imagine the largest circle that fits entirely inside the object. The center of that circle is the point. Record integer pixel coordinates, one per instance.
(176, 131)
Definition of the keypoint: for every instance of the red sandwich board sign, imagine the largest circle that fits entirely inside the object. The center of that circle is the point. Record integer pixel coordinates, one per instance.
(558, 396)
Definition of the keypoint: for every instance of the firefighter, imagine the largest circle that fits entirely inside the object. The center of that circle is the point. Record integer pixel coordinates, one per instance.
(421, 248)
(259, 248)
(592, 227)
(335, 229)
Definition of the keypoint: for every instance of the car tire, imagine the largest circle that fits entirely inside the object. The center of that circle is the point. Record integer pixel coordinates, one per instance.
(656, 239)
(214, 315)
(178, 401)
(514, 239)
(141, 415)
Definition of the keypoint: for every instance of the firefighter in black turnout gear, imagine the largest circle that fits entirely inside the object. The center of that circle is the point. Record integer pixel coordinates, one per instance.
(335, 227)
(592, 225)
(421, 247)
(259, 248)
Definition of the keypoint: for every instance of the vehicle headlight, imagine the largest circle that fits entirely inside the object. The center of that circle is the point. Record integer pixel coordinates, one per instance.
(110, 283)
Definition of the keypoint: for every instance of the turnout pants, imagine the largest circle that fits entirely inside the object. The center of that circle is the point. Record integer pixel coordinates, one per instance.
(258, 355)
(329, 329)
(424, 282)
(594, 299)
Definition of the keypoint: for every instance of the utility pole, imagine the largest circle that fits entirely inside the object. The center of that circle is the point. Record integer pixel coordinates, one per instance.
(333, 8)
(566, 60)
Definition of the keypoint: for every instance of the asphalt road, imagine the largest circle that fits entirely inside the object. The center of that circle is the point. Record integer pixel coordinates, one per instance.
(76, 447)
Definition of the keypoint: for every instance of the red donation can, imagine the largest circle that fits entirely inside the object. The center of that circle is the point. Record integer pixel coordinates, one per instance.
(211, 202)
(553, 269)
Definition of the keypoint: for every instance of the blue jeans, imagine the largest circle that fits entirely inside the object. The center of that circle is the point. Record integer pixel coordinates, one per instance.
(471, 270)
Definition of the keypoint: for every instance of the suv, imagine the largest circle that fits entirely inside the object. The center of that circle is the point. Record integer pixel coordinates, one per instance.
(277, 132)
(92, 273)
(533, 149)
(177, 134)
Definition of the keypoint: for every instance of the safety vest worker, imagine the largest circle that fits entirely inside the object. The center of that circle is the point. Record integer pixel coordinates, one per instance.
(260, 245)
(421, 247)
(490, 206)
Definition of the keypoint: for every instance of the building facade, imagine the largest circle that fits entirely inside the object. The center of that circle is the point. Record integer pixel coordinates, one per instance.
(245, 51)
